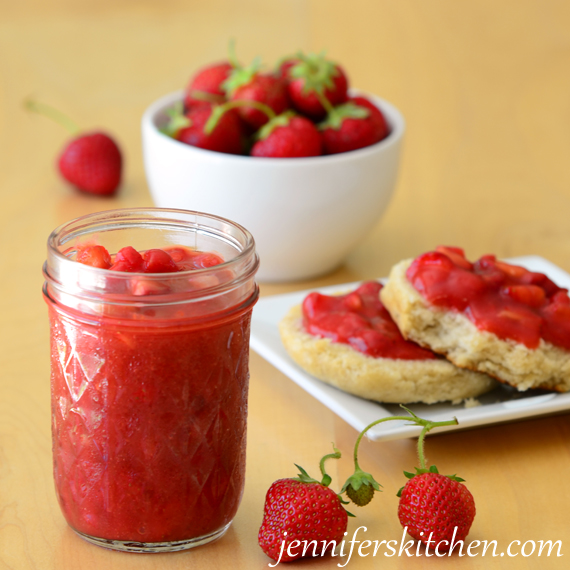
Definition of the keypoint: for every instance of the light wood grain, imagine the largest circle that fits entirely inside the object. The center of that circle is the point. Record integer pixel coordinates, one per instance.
(485, 89)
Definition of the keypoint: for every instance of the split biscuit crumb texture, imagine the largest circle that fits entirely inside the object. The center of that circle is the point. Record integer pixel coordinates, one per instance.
(379, 379)
(456, 337)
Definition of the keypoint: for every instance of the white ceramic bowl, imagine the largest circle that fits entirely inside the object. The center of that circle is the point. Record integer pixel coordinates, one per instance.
(305, 214)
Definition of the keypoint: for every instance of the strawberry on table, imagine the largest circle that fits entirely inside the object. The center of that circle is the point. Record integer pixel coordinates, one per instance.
(227, 136)
(353, 125)
(298, 510)
(316, 84)
(206, 85)
(286, 136)
(436, 508)
(92, 161)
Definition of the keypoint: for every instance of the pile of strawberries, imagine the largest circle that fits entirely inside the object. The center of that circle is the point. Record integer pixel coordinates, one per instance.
(301, 109)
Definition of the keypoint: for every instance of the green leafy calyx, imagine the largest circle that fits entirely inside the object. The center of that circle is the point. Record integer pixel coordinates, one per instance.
(316, 71)
(177, 120)
(360, 487)
(279, 121)
(421, 471)
(240, 76)
(337, 115)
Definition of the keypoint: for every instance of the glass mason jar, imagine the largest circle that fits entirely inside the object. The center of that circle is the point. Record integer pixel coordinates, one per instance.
(149, 380)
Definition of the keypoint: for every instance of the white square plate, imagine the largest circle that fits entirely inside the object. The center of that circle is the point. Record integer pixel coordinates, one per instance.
(500, 405)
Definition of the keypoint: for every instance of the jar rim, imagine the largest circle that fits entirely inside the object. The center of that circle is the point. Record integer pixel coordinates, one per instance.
(59, 265)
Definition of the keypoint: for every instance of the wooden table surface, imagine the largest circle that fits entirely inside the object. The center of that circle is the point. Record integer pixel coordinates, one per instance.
(485, 89)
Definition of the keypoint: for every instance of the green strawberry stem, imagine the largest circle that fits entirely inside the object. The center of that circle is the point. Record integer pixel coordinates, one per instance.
(53, 114)
(360, 477)
(281, 120)
(304, 477)
(427, 425)
(177, 120)
(326, 480)
(219, 111)
(336, 116)
(207, 97)
(324, 102)
(317, 73)
(232, 57)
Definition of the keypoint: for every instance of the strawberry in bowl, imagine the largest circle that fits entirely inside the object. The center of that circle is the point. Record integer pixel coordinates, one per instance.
(307, 198)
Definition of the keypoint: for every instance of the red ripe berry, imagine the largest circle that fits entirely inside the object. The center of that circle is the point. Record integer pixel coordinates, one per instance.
(376, 117)
(128, 259)
(432, 506)
(312, 78)
(306, 512)
(92, 163)
(288, 136)
(265, 89)
(206, 82)
(356, 124)
(227, 135)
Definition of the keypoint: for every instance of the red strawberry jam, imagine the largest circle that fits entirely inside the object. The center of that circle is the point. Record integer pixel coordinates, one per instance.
(128, 259)
(506, 300)
(149, 400)
(360, 320)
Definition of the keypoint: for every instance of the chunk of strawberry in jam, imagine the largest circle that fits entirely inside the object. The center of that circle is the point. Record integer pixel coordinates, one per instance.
(506, 300)
(190, 259)
(532, 278)
(456, 254)
(360, 320)
(128, 259)
(442, 282)
(530, 295)
(94, 255)
(158, 261)
(556, 326)
(506, 320)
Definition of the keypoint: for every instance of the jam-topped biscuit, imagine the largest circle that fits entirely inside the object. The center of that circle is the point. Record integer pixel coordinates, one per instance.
(488, 316)
(351, 342)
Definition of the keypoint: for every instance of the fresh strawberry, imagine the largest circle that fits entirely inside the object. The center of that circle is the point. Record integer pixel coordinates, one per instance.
(353, 125)
(435, 507)
(316, 84)
(206, 85)
(286, 136)
(265, 89)
(190, 128)
(92, 163)
(303, 510)
(376, 117)
(249, 84)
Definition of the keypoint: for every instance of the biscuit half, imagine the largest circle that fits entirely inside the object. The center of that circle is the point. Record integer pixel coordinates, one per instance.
(381, 379)
(452, 334)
